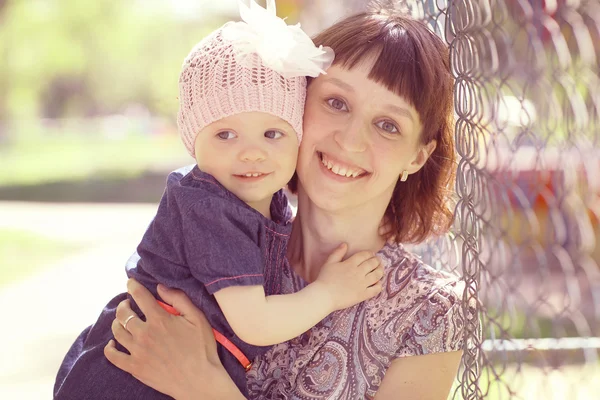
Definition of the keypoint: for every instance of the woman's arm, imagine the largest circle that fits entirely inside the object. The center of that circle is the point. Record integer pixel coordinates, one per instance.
(427, 377)
(169, 353)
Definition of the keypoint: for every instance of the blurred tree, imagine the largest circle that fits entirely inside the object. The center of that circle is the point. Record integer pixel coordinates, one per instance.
(80, 58)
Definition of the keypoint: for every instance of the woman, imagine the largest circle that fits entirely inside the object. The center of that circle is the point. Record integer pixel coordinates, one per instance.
(378, 142)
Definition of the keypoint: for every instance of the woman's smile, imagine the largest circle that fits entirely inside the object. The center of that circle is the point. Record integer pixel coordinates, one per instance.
(339, 169)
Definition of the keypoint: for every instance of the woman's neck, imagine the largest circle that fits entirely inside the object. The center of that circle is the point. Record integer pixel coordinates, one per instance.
(317, 232)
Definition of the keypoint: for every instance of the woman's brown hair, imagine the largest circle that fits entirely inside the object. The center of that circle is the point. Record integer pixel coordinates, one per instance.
(412, 62)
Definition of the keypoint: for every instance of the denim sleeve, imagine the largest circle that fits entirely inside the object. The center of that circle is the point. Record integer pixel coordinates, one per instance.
(172, 179)
(222, 245)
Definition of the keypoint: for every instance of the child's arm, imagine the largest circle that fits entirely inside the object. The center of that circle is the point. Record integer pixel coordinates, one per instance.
(266, 320)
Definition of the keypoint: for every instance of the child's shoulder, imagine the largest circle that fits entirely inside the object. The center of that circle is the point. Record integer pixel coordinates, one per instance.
(191, 181)
(175, 176)
(194, 190)
(191, 188)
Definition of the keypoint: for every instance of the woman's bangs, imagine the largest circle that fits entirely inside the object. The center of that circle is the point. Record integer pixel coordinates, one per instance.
(386, 45)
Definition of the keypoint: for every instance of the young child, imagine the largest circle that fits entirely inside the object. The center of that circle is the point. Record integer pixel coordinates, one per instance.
(221, 231)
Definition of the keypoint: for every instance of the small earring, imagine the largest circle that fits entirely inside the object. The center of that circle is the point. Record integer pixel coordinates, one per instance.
(404, 176)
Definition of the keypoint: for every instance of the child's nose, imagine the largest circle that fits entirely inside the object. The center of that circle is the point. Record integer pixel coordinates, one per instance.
(253, 154)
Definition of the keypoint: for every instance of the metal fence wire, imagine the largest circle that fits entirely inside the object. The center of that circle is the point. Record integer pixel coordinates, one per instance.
(528, 192)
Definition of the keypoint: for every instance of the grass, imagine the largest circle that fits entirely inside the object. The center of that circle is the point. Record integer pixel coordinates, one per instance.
(24, 253)
(42, 158)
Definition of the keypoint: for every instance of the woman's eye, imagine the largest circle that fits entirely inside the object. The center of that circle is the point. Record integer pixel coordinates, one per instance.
(387, 126)
(226, 135)
(273, 134)
(337, 104)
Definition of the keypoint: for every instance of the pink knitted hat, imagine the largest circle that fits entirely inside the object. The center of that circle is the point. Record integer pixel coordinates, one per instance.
(257, 65)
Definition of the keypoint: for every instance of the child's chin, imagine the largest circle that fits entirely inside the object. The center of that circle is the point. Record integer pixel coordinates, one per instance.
(257, 197)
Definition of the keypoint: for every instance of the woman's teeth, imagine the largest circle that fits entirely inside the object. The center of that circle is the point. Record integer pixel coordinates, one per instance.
(253, 174)
(340, 169)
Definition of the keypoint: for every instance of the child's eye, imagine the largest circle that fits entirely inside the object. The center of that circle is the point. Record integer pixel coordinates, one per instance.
(226, 135)
(337, 104)
(387, 126)
(273, 134)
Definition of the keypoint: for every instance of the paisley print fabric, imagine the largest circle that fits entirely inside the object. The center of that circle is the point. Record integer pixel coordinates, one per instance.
(347, 354)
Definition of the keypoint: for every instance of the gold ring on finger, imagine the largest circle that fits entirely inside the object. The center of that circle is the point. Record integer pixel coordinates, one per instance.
(127, 321)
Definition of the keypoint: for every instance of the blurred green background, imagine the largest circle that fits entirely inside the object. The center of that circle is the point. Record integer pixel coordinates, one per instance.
(89, 88)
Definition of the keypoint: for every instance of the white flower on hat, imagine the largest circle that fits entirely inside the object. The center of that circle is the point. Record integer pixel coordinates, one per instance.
(286, 49)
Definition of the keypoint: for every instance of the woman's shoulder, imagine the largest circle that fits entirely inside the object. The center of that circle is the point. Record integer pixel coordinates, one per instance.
(406, 273)
(420, 307)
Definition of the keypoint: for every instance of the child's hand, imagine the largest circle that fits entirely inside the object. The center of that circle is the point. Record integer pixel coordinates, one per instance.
(351, 281)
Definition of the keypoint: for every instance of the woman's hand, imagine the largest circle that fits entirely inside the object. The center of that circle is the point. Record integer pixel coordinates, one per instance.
(176, 355)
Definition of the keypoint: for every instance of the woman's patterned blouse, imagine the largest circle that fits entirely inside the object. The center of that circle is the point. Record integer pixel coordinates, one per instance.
(345, 356)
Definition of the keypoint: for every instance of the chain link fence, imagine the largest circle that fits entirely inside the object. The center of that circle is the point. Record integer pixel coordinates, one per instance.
(528, 184)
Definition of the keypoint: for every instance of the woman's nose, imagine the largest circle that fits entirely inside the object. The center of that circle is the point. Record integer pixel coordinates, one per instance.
(352, 137)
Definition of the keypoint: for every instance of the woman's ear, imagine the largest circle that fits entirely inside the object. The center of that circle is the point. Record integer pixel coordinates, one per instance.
(422, 156)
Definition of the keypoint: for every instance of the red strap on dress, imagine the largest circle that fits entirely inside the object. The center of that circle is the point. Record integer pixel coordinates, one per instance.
(232, 348)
